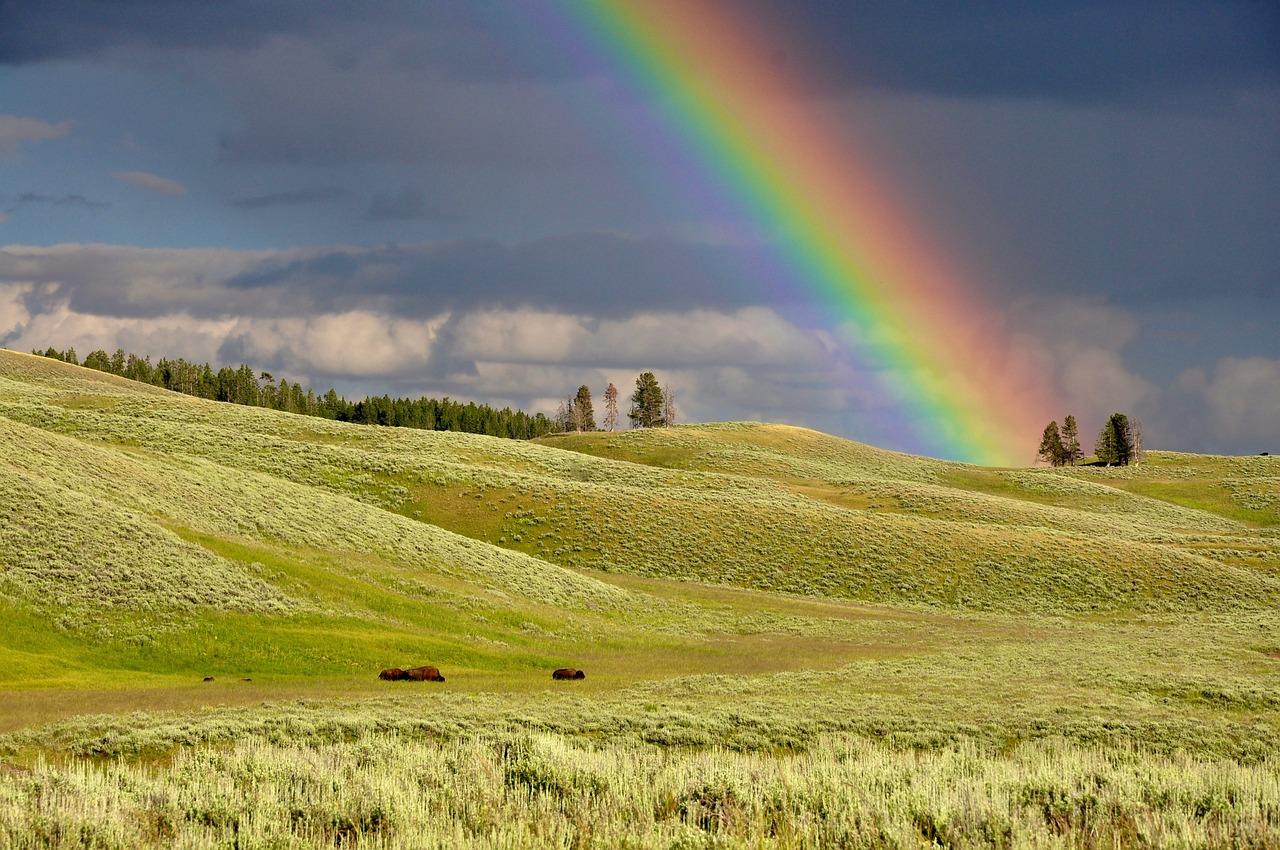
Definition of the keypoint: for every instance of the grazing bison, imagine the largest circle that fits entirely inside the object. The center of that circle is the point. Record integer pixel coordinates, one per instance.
(208, 678)
(393, 674)
(423, 674)
(568, 673)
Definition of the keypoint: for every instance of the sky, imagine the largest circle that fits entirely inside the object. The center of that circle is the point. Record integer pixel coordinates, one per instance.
(472, 199)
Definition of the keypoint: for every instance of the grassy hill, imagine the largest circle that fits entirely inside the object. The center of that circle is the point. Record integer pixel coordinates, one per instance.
(743, 585)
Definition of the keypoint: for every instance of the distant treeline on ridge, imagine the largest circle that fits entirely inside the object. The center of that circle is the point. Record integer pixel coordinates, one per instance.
(243, 386)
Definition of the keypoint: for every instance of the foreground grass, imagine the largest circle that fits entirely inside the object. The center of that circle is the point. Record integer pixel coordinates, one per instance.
(543, 790)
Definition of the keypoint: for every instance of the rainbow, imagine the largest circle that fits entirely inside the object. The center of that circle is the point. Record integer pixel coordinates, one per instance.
(908, 315)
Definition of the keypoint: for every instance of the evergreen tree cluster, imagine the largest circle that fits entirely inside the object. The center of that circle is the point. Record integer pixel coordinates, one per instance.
(243, 386)
(652, 406)
(1061, 447)
(1119, 443)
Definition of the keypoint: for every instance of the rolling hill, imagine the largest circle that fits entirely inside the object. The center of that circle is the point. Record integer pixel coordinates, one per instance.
(745, 585)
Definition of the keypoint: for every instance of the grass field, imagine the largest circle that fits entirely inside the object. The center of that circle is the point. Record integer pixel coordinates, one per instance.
(791, 640)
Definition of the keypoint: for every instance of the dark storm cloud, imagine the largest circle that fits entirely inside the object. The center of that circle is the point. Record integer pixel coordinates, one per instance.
(1064, 50)
(466, 41)
(596, 273)
(296, 105)
(599, 274)
(36, 30)
(1078, 51)
(294, 198)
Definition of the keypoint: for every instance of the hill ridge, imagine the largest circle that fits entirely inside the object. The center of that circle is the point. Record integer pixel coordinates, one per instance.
(598, 501)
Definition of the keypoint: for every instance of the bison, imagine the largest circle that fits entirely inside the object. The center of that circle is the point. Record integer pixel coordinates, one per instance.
(423, 674)
(568, 673)
(393, 674)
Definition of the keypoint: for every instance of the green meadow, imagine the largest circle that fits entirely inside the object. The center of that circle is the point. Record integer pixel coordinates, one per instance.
(790, 639)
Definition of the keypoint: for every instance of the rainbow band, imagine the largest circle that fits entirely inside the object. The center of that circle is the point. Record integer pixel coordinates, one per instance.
(835, 231)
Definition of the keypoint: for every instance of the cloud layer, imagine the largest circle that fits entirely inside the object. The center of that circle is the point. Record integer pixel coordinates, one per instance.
(744, 363)
(295, 313)
(596, 274)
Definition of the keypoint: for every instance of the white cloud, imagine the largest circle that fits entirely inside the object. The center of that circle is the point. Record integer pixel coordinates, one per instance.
(751, 336)
(151, 182)
(747, 362)
(13, 313)
(1077, 347)
(59, 326)
(354, 344)
(15, 130)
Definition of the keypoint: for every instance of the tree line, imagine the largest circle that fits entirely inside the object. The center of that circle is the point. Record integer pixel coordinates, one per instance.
(652, 406)
(1119, 443)
(244, 385)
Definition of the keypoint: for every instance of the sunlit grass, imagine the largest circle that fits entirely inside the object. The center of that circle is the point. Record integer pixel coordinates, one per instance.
(544, 790)
(764, 605)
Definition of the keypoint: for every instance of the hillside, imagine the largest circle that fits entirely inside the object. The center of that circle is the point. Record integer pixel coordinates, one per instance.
(126, 504)
(731, 504)
(744, 585)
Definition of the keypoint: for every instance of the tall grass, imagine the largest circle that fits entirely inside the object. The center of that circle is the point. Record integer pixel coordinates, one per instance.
(545, 790)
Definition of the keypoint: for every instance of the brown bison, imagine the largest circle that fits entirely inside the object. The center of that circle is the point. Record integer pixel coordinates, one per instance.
(393, 674)
(423, 674)
(568, 673)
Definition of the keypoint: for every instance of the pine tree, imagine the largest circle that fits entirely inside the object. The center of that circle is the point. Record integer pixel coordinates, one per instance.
(572, 420)
(1070, 440)
(646, 402)
(1115, 442)
(98, 360)
(586, 416)
(266, 390)
(610, 407)
(1104, 447)
(1051, 449)
(331, 405)
(1123, 438)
